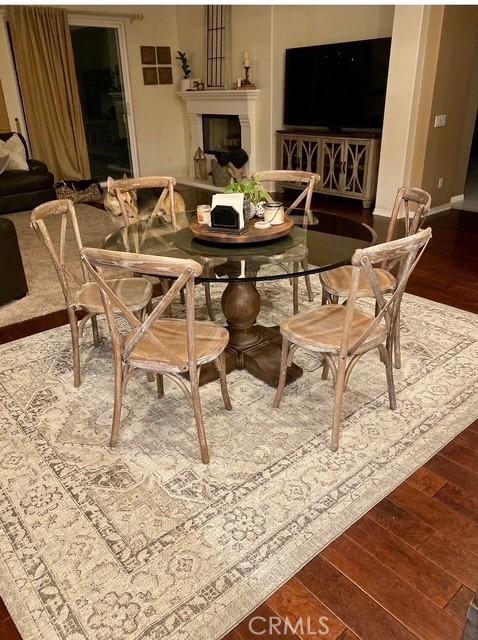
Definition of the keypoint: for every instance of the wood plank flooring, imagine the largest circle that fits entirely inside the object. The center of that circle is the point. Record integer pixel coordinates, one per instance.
(408, 569)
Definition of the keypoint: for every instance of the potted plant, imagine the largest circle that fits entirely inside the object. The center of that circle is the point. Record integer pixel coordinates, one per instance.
(253, 194)
(185, 82)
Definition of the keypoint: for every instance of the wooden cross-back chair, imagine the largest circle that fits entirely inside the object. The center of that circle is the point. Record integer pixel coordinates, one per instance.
(161, 345)
(164, 205)
(169, 204)
(310, 180)
(81, 294)
(343, 333)
(415, 205)
(307, 178)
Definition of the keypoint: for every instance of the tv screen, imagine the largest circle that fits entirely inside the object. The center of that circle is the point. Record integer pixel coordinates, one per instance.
(337, 85)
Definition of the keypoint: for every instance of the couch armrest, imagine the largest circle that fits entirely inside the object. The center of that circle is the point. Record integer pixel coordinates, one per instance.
(37, 167)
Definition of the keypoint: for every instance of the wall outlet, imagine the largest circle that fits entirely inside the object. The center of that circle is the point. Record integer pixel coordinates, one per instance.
(440, 121)
(440, 183)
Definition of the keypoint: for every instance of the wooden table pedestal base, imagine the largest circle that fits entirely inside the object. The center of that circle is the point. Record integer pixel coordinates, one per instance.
(251, 346)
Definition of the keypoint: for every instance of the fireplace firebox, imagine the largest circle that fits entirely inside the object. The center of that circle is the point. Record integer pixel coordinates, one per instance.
(221, 133)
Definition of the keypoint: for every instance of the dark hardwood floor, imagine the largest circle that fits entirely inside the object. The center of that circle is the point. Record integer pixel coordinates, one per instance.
(407, 570)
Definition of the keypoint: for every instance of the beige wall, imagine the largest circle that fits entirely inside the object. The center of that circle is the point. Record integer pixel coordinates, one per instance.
(4, 123)
(407, 57)
(455, 93)
(158, 116)
(442, 43)
(431, 51)
(266, 31)
(157, 110)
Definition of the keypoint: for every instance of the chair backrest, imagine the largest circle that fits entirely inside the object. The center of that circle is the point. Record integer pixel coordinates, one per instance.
(183, 271)
(123, 187)
(40, 217)
(310, 180)
(415, 204)
(407, 252)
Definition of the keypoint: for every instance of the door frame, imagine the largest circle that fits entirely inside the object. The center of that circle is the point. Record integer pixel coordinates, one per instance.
(82, 20)
(9, 80)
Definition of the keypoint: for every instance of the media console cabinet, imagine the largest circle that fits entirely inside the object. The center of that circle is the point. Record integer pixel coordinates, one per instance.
(346, 162)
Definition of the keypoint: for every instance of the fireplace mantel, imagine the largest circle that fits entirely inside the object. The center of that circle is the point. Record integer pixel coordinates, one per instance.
(240, 102)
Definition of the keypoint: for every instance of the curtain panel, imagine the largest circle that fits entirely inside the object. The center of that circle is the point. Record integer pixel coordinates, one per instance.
(46, 71)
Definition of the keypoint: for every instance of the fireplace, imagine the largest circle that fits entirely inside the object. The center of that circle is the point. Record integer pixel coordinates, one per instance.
(223, 109)
(220, 133)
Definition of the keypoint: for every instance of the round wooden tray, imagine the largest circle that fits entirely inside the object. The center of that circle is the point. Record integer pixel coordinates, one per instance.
(251, 235)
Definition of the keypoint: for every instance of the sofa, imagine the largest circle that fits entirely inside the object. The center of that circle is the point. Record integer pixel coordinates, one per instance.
(24, 190)
(13, 284)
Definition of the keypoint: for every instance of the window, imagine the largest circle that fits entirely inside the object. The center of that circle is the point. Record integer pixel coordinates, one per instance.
(215, 45)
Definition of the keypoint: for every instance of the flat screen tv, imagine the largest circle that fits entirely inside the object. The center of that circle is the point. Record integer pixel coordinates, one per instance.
(337, 86)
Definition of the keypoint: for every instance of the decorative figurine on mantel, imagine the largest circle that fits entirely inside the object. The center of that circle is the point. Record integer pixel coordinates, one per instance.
(246, 63)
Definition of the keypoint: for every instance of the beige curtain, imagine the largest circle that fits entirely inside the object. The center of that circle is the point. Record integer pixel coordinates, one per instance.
(46, 71)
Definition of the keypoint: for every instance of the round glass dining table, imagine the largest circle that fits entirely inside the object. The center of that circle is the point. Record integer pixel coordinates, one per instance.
(327, 242)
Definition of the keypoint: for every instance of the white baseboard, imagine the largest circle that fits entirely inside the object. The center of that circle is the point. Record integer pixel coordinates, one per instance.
(382, 212)
(438, 209)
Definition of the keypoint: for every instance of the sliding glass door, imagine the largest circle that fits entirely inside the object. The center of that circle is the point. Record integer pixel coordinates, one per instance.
(102, 93)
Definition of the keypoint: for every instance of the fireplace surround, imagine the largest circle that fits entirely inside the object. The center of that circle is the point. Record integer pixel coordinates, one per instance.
(224, 102)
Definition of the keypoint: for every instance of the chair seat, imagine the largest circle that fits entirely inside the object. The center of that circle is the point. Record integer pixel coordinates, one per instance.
(338, 281)
(134, 292)
(211, 341)
(322, 329)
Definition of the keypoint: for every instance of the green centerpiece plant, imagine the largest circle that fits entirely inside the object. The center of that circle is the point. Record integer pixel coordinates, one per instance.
(253, 194)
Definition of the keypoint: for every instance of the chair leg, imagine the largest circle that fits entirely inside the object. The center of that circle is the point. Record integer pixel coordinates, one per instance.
(118, 400)
(96, 333)
(160, 385)
(295, 290)
(196, 401)
(75, 344)
(338, 403)
(308, 284)
(221, 367)
(387, 359)
(283, 372)
(210, 310)
(396, 342)
(325, 368)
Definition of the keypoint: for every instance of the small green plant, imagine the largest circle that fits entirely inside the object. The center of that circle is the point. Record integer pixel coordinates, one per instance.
(182, 57)
(251, 188)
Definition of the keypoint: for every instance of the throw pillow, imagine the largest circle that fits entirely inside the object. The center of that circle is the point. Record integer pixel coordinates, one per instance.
(4, 158)
(17, 160)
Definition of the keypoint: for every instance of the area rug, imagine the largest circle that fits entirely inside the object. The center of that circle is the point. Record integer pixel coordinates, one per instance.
(145, 542)
(44, 291)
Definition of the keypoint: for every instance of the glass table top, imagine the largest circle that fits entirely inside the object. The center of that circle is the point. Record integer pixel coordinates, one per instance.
(328, 242)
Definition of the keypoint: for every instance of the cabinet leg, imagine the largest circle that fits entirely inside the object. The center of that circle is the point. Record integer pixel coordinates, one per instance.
(367, 204)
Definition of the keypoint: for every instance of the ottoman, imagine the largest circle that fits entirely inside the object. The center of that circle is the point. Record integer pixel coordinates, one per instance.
(12, 276)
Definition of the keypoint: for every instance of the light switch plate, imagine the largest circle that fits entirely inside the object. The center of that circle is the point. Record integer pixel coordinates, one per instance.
(440, 121)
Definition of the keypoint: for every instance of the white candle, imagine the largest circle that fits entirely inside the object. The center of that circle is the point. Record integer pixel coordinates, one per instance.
(245, 60)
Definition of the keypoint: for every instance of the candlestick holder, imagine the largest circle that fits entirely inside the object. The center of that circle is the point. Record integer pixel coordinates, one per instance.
(246, 83)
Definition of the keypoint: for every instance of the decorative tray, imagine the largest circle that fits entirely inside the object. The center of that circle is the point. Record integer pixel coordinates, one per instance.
(251, 235)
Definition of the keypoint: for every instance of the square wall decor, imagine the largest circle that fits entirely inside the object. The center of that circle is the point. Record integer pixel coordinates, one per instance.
(165, 75)
(163, 55)
(148, 55)
(150, 75)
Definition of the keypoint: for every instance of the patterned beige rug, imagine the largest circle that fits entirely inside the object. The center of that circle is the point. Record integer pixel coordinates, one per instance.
(145, 542)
